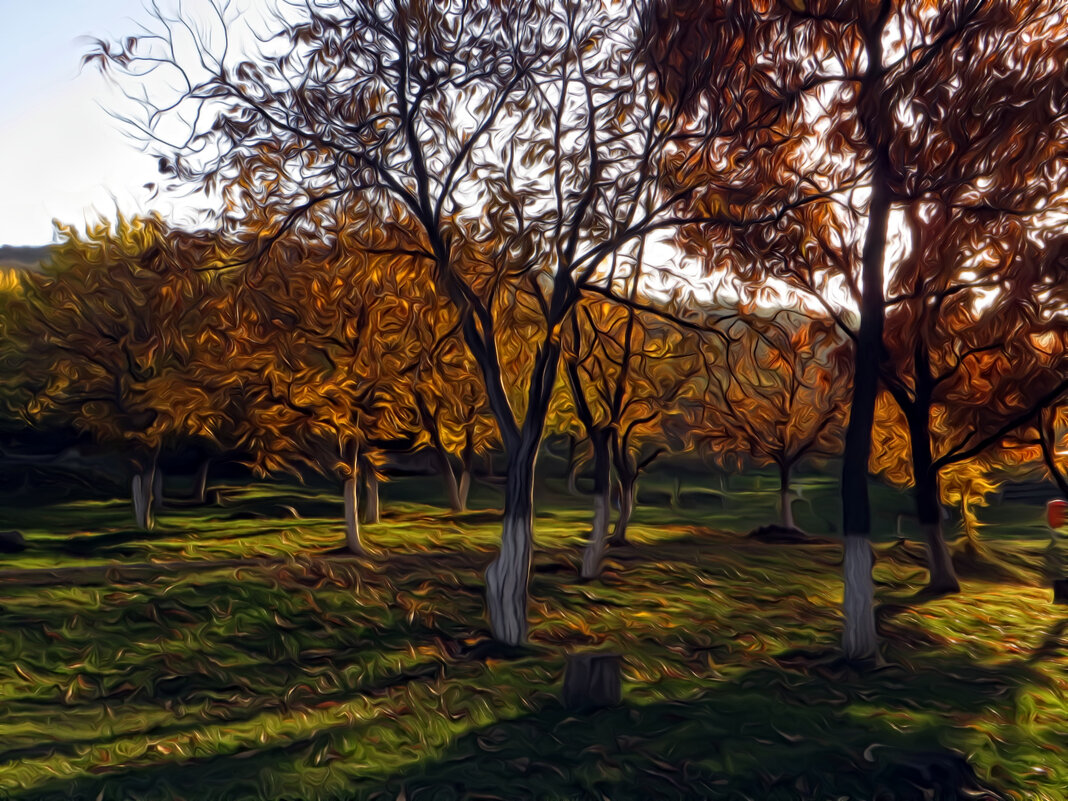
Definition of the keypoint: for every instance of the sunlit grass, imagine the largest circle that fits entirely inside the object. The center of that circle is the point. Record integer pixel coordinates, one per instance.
(304, 673)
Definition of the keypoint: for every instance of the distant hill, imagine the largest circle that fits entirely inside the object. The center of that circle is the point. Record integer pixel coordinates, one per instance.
(23, 257)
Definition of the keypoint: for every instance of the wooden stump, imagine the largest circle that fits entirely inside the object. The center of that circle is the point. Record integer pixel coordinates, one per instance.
(592, 680)
(1060, 591)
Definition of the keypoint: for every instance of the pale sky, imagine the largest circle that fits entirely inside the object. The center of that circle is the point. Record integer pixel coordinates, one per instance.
(61, 155)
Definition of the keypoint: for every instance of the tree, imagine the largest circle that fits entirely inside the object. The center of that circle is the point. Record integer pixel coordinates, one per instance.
(961, 360)
(780, 396)
(524, 140)
(626, 371)
(448, 393)
(319, 345)
(908, 102)
(106, 336)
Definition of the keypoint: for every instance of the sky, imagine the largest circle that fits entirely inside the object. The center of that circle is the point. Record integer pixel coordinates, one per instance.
(61, 155)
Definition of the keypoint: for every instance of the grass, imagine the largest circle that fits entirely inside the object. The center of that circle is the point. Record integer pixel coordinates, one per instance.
(299, 673)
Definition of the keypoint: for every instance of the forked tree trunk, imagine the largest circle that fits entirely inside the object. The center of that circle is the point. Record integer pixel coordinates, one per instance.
(352, 512)
(372, 512)
(508, 576)
(452, 489)
(628, 492)
(602, 487)
(786, 508)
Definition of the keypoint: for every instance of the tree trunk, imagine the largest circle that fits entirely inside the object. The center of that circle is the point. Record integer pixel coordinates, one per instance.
(860, 641)
(569, 470)
(352, 512)
(573, 465)
(628, 491)
(508, 576)
(786, 507)
(449, 476)
(464, 490)
(200, 482)
(157, 487)
(467, 466)
(602, 487)
(942, 576)
(141, 492)
(372, 510)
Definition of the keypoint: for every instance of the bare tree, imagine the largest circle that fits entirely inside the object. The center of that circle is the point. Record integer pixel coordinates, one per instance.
(526, 142)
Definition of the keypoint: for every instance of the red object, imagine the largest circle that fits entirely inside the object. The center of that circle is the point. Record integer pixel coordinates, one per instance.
(1056, 513)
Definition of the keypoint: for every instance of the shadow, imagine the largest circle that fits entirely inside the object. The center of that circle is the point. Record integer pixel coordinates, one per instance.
(775, 732)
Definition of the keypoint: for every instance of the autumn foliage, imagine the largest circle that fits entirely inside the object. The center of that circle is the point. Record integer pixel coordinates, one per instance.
(438, 235)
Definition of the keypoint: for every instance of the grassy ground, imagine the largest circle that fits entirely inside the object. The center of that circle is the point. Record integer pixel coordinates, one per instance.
(299, 673)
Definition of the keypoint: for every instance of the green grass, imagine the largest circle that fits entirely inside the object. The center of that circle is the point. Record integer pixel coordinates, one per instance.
(304, 674)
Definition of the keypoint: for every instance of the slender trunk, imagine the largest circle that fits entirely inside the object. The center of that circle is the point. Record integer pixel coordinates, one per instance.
(157, 487)
(372, 510)
(508, 576)
(141, 491)
(602, 487)
(786, 507)
(200, 482)
(468, 459)
(352, 511)
(943, 578)
(570, 471)
(452, 489)
(628, 492)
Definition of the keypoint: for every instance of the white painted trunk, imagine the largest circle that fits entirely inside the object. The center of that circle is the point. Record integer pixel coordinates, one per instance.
(786, 505)
(508, 576)
(200, 484)
(451, 488)
(628, 494)
(860, 641)
(594, 551)
(141, 493)
(465, 487)
(352, 516)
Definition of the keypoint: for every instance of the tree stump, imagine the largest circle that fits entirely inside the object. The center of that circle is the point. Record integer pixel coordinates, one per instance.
(592, 680)
(1060, 591)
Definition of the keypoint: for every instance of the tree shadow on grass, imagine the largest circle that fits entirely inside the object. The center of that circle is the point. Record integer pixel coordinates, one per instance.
(774, 733)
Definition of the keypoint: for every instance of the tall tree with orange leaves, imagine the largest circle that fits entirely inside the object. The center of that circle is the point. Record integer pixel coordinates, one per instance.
(866, 108)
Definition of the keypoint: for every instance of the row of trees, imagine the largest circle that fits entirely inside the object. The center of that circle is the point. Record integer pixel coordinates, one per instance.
(333, 357)
(900, 164)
